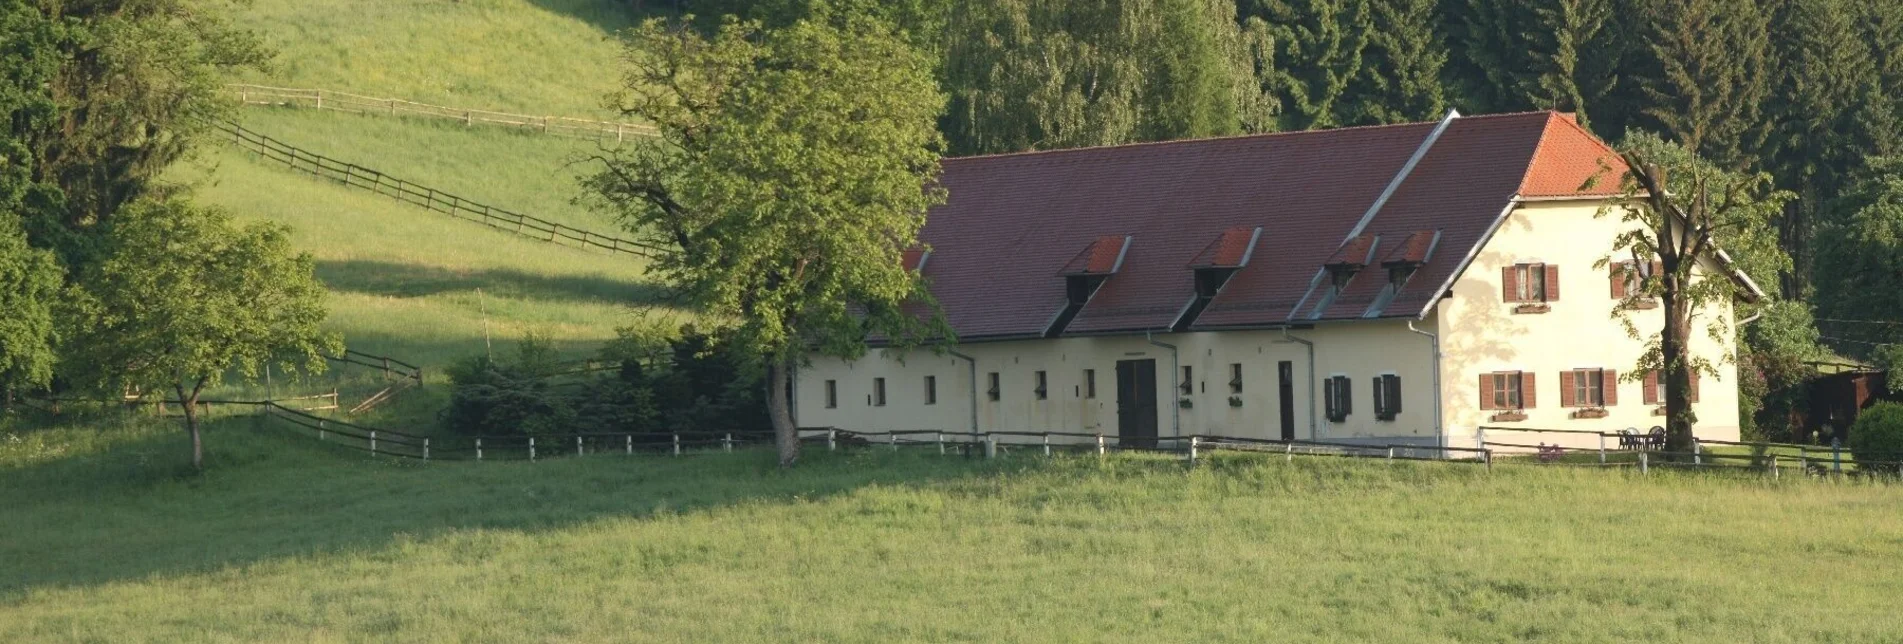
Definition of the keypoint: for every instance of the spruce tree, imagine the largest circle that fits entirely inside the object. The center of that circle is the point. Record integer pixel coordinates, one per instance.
(1400, 77)
(1704, 74)
(1546, 54)
(1319, 45)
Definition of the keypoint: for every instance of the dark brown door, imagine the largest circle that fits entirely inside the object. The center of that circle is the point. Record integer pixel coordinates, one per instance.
(1136, 403)
(1285, 387)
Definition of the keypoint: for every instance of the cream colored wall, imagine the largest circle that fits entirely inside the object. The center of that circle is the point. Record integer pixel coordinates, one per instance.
(1480, 333)
(1359, 350)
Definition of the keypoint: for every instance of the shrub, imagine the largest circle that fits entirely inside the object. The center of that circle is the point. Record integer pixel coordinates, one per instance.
(1878, 433)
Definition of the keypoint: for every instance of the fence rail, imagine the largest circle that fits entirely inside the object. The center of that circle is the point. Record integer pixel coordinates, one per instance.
(323, 99)
(356, 176)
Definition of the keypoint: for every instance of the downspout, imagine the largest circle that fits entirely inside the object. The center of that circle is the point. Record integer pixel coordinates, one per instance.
(1176, 407)
(1314, 428)
(1439, 432)
(972, 363)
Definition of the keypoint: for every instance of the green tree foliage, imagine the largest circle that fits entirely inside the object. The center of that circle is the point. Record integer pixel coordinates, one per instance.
(29, 284)
(795, 167)
(1044, 74)
(1878, 435)
(1544, 54)
(1400, 76)
(1704, 72)
(1320, 44)
(1682, 209)
(186, 298)
(1860, 259)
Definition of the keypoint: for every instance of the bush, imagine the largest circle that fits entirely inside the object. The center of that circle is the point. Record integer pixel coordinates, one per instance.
(1878, 433)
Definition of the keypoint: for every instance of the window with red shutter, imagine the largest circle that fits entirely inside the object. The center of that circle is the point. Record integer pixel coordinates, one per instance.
(1551, 282)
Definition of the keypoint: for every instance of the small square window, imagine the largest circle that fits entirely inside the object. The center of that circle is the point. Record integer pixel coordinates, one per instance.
(993, 392)
(1187, 386)
(931, 390)
(878, 392)
(1043, 388)
(1339, 398)
(1235, 378)
(832, 394)
(1090, 383)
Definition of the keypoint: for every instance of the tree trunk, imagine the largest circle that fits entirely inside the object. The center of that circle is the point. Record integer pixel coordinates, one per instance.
(1675, 355)
(190, 403)
(780, 411)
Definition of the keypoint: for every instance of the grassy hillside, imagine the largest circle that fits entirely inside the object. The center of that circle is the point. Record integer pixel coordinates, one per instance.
(403, 279)
(532, 56)
(287, 540)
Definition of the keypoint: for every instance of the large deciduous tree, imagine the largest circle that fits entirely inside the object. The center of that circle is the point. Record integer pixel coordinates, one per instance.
(186, 298)
(29, 282)
(794, 168)
(1679, 209)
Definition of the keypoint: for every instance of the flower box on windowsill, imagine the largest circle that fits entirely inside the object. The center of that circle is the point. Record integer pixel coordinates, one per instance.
(1590, 412)
(1525, 309)
(1508, 417)
(1235, 401)
(1185, 403)
(1658, 411)
(1646, 304)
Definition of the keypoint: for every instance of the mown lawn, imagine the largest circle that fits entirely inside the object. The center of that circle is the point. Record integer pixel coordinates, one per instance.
(286, 539)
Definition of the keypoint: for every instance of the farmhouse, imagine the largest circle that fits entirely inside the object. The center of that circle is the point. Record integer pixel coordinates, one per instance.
(1404, 284)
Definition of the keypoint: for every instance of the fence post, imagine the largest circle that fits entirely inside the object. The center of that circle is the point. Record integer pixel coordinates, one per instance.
(1194, 442)
(531, 448)
(1836, 455)
(1100, 451)
(578, 445)
(1487, 455)
(727, 441)
(1480, 438)
(832, 443)
(478, 449)
(1390, 453)
(1288, 451)
(630, 444)
(321, 434)
(1803, 463)
(677, 444)
(1602, 449)
(941, 434)
(426, 448)
(392, 106)
(991, 446)
(373, 441)
(1645, 464)
(1698, 452)
(1774, 472)
(1047, 444)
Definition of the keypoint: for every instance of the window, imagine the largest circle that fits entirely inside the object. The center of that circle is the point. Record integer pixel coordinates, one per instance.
(1090, 383)
(1508, 390)
(1589, 388)
(878, 392)
(1043, 387)
(1339, 398)
(931, 390)
(1532, 283)
(992, 393)
(1628, 279)
(1235, 378)
(1187, 386)
(1655, 390)
(1387, 396)
(832, 394)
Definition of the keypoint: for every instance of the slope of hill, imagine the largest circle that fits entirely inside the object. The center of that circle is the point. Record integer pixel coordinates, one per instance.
(534, 56)
(289, 539)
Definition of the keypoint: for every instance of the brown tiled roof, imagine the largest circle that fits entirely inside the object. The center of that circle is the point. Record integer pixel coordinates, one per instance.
(1355, 252)
(1099, 258)
(1412, 250)
(1012, 221)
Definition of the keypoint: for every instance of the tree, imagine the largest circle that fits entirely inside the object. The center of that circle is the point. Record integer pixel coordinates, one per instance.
(1400, 78)
(794, 168)
(1860, 259)
(1549, 54)
(1705, 75)
(29, 282)
(1679, 209)
(186, 297)
(1321, 43)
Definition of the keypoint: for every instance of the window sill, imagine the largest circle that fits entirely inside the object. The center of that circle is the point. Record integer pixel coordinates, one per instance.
(1508, 417)
(1387, 418)
(1644, 305)
(1591, 412)
(1531, 309)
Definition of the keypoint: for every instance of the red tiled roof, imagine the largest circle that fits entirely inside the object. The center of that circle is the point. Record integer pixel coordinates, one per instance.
(1099, 258)
(1355, 252)
(1013, 220)
(1572, 162)
(1229, 250)
(1412, 250)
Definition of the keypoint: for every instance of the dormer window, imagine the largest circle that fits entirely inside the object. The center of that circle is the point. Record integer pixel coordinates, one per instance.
(1210, 280)
(1340, 275)
(1212, 268)
(1084, 274)
(1398, 273)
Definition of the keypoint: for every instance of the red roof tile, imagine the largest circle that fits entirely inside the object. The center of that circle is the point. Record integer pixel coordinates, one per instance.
(1099, 258)
(1011, 221)
(1412, 250)
(1354, 253)
(1229, 250)
(1572, 162)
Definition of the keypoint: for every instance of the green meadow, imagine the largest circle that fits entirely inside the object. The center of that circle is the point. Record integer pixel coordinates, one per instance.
(286, 538)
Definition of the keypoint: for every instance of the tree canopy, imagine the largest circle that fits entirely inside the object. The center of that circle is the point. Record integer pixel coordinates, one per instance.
(794, 169)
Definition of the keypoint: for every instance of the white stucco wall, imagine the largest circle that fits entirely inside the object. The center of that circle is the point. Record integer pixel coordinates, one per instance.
(1481, 334)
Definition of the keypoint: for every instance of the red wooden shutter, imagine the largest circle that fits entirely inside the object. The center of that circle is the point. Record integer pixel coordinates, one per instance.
(1652, 387)
(1609, 380)
(1486, 391)
(1552, 283)
(1694, 396)
(1566, 397)
(1618, 280)
(1526, 390)
(1658, 268)
(1509, 286)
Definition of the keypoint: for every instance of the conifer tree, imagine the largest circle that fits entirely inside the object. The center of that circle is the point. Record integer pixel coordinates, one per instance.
(1400, 77)
(1320, 44)
(1705, 72)
(1547, 54)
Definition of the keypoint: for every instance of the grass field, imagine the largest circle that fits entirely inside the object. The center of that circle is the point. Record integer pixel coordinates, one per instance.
(285, 539)
(404, 280)
(539, 57)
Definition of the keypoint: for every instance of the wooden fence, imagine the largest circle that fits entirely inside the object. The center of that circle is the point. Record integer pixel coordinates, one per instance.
(356, 176)
(323, 99)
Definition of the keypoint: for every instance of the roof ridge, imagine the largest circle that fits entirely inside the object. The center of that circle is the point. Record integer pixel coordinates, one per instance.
(1253, 135)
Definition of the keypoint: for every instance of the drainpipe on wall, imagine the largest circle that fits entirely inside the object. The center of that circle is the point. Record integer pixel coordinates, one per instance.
(973, 364)
(1439, 431)
(1176, 408)
(1314, 427)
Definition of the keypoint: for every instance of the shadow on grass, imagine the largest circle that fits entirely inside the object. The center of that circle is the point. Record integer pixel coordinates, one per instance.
(127, 507)
(611, 16)
(393, 279)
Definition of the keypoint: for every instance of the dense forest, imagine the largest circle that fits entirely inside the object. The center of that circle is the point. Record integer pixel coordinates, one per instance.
(1808, 92)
